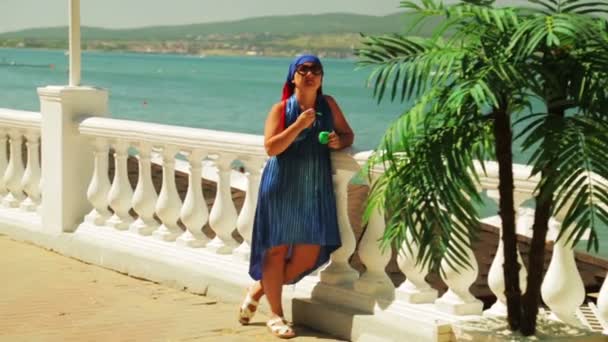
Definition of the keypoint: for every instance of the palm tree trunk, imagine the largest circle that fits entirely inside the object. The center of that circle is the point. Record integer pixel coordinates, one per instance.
(536, 261)
(503, 136)
(536, 258)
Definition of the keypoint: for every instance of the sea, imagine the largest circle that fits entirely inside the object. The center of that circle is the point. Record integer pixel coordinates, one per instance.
(223, 93)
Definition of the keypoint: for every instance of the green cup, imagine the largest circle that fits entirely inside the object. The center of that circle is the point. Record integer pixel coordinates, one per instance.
(324, 137)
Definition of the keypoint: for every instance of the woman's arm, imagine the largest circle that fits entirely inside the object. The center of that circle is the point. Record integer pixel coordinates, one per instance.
(276, 137)
(344, 136)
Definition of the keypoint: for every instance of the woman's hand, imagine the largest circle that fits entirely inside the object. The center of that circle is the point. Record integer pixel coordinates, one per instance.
(306, 118)
(334, 141)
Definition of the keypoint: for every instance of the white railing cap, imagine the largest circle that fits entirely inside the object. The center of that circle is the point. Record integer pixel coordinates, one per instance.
(239, 144)
(19, 119)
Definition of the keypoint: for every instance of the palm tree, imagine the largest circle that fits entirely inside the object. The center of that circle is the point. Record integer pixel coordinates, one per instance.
(480, 66)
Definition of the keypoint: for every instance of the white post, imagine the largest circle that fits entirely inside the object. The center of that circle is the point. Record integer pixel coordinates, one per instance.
(74, 43)
(562, 289)
(3, 161)
(121, 192)
(168, 204)
(602, 304)
(374, 281)
(414, 289)
(244, 223)
(31, 177)
(144, 197)
(14, 171)
(194, 212)
(98, 189)
(67, 157)
(223, 216)
(496, 274)
(339, 271)
(458, 300)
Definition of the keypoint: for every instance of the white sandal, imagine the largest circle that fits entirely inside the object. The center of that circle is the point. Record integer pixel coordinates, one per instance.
(280, 328)
(245, 312)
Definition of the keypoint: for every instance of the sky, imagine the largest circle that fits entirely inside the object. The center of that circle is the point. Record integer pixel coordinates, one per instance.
(21, 14)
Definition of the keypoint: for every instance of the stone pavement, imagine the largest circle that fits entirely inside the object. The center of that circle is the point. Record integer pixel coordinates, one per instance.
(47, 297)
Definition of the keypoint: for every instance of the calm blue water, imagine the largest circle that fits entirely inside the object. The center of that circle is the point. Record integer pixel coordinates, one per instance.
(222, 93)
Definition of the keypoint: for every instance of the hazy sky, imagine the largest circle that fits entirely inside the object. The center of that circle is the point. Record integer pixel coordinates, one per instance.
(19, 14)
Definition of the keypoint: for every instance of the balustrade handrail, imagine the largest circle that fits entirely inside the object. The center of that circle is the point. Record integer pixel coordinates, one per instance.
(184, 137)
(20, 119)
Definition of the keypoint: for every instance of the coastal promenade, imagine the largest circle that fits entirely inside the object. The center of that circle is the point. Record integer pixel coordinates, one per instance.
(48, 297)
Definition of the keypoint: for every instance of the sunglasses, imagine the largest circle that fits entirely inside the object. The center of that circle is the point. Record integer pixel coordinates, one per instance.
(315, 69)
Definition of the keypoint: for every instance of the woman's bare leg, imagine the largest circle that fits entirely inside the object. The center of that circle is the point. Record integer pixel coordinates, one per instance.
(302, 259)
(272, 277)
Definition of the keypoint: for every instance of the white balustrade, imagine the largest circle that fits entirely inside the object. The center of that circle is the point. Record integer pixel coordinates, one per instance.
(31, 177)
(414, 289)
(374, 281)
(244, 223)
(14, 171)
(120, 193)
(562, 289)
(168, 204)
(145, 197)
(194, 213)
(223, 216)
(98, 189)
(339, 271)
(458, 300)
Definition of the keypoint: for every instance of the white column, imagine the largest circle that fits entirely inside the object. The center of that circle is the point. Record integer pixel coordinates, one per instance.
(67, 157)
(458, 300)
(414, 289)
(14, 171)
(120, 193)
(31, 178)
(563, 290)
(223, 216)
(374, 281)
(74, 37)
(3, 162)
(144, 198)
(168, 204)
(496, 275)
(194, 212)
(339, 271)
(98, 189)
(244, 223)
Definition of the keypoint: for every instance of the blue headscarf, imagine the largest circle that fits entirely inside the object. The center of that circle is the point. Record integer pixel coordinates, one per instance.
(288, 88)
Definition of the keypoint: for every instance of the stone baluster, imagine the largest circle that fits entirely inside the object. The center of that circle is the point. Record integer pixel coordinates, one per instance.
(374, 281)
(602, 304)
(223, 216)
(339, 271)
(99, 187)
(194, 212)
(31, 177)
(496, 275)
(3, 162)
(562, 289)
(244, 223)
(458, 300)
(144, 197)
(14, 171)
(120, 193)
(168, 204)
(414, 289)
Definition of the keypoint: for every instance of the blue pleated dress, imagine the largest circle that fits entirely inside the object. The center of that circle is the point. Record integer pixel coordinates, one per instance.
(296, 201)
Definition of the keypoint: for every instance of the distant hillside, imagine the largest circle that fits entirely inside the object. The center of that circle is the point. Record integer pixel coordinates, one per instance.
(330, 35)
(276, 25)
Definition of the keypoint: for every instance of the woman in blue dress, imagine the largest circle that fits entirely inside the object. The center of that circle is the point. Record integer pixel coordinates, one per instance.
(295, 228)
